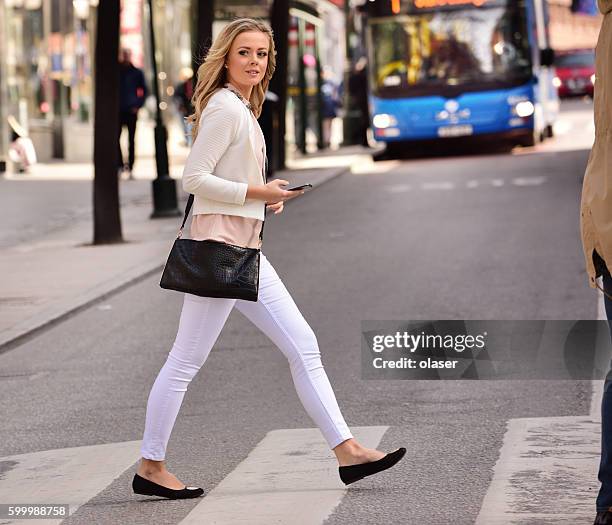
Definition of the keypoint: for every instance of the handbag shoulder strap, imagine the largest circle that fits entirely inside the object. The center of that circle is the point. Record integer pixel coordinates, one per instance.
(187, 210)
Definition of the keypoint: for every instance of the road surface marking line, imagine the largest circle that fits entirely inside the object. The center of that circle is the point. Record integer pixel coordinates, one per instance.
(547, 467)
(63, 476)
(368, 166)
(398, 188)
(291, 476)
(529, 181)
(437, 185)
(546, 471)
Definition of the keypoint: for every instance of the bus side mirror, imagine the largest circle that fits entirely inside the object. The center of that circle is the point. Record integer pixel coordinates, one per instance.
(547, 57)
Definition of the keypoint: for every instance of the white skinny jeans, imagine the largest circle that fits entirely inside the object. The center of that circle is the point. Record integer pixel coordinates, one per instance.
(276, 315)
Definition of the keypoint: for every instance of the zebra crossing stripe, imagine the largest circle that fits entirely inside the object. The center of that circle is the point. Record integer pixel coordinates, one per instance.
(291, 476)
(547, 467)
(546, 472)
(63, 476)
(442, 185)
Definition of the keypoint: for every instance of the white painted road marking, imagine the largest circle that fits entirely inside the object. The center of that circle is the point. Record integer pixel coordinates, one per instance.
(529, 181)
(65, 475)
(546, 473)
(438, 185)
(398, 188)
(470, 184)
(367, 166)
(291, 476)
(547, 467)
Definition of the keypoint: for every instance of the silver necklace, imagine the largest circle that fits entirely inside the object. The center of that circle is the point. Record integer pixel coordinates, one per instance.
(239, 95)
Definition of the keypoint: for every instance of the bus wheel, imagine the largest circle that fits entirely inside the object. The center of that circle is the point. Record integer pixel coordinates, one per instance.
(528, 140)
(392, 151)
(531, 138)
(549, 132)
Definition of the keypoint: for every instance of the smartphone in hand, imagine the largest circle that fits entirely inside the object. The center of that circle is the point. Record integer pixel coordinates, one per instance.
(298, 188)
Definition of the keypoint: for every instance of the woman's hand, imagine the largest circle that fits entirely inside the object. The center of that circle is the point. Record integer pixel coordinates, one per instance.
(277, 207)
(272, 192)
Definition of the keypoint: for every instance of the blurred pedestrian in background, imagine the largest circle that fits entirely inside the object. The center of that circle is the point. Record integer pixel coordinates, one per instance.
(21, 149)
(331, 103)
(132, 94)
(182, 96)
(596, 227)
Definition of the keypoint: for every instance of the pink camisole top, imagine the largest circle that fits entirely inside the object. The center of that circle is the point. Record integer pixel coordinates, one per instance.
(232, 229)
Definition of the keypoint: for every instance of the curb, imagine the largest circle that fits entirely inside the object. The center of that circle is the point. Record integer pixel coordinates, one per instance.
(62, 310)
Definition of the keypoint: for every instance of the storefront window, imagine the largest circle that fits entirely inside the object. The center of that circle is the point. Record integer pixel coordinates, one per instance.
(172, 25)
(79, 58)
(26, 60)
(302, 83)
(48, 51)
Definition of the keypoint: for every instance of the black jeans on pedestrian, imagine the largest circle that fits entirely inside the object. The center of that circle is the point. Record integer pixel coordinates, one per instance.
(604, 498)
(127, 118)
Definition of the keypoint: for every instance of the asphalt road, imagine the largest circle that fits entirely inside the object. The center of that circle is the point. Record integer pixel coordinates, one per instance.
(471, 237)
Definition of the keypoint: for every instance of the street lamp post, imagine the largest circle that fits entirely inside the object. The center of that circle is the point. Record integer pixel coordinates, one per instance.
(164, 186)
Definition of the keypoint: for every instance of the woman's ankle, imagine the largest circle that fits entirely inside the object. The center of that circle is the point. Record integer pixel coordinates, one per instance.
(350, 444)
(348, 449)
(149, 466)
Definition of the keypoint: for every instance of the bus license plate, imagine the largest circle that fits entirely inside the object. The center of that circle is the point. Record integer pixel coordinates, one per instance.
(455, 131)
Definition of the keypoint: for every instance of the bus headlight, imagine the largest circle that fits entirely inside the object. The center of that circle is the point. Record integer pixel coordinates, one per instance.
(383, 120)
(524, 109)
(557, 82)
(593, 79)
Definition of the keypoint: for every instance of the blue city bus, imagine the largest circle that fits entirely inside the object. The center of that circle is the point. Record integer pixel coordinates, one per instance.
(460, 68)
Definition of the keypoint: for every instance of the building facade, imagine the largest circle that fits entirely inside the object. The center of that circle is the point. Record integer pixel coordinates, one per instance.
(47, 66)
(572, 30)
(46, 81)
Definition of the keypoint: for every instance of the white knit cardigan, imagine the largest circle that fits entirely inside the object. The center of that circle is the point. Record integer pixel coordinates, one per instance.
(222, 161)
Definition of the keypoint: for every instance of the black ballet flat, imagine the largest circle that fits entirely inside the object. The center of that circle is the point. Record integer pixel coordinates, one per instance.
(146, 487)
(352, 473)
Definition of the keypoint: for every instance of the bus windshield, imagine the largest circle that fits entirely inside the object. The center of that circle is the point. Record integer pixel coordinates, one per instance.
(438, 52)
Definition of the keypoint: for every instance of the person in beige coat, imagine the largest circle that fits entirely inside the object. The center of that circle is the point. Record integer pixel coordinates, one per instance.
(596, 229)
(596, 206)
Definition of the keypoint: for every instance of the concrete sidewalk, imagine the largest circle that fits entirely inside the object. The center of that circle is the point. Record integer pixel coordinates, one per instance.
(60, 273)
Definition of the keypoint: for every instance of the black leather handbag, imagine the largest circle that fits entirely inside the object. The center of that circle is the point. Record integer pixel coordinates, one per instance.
(211, 268)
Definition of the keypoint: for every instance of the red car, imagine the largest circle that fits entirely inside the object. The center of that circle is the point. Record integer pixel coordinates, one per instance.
(575, 72)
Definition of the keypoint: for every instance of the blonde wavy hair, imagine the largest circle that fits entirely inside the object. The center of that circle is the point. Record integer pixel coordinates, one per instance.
(212, 74)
